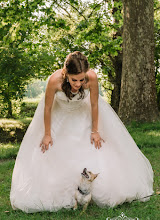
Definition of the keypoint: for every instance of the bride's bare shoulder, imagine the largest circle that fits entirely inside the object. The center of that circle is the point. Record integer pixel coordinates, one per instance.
(92, 77)
(56, 75)
(92, 74)
(56, 78)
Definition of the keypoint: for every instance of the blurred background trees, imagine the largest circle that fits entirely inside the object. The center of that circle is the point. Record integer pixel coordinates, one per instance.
(36, 36)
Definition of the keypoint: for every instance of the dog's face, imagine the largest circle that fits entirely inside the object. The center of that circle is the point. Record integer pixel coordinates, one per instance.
(88, 175)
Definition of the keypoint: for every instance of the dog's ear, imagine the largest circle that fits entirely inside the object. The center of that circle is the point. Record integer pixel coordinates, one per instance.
(95, 175)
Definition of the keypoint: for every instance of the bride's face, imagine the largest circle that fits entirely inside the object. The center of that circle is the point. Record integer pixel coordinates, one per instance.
(76, 81)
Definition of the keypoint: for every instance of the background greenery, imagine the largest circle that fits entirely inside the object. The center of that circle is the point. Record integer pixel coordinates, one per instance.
(36, 36)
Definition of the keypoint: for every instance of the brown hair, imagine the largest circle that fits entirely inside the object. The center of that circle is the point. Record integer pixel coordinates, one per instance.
(75, 64)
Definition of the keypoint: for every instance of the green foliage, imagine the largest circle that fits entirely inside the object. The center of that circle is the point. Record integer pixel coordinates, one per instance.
(28, 108)
(36, 36)
(21, 109)
(20, 52)
(15, 70)
(93, 30)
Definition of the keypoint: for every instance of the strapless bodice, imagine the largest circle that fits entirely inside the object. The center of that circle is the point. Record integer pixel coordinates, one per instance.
(72, 104)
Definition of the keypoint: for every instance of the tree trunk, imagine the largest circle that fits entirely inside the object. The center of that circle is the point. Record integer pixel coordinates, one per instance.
(117, 60)
(138, 92)
(9, 114)
(115, 97)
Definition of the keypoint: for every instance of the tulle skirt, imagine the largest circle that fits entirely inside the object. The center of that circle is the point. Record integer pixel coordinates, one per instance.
(47, 181)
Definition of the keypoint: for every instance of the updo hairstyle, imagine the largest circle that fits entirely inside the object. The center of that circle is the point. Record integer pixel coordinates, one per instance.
(75, 64)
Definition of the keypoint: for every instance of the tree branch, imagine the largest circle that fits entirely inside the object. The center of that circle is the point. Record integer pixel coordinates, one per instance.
(77, 10)
(64, 10)
(112, 80)
(94, 9)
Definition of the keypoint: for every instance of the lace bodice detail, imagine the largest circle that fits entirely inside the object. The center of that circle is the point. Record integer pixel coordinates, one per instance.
(68, 104)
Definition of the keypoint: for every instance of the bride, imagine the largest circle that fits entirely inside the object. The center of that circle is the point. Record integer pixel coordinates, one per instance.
(74, 128)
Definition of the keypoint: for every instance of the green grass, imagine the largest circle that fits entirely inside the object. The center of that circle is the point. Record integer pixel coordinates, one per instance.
(147, 137)
(8, 151)
(145, 134)
(149, 210)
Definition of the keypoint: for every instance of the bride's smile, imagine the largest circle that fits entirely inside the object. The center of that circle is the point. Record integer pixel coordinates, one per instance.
(76, 81)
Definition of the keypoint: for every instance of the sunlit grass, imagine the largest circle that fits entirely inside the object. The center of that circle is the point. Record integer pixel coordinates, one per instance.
(6, 123)
(13, 124)
(145, 134)
(33, 100)
(8, 151)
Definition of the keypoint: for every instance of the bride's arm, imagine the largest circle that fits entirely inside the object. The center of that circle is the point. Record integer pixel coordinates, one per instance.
(49, 97)
(94, 93)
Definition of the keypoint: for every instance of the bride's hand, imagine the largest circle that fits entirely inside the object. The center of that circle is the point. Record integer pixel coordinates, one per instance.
(46, 141)
(96, 138)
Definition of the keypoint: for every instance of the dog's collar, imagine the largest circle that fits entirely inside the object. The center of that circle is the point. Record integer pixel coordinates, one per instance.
(83, 192)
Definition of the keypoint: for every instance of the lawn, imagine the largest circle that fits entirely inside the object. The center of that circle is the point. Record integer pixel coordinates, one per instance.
(147, 137)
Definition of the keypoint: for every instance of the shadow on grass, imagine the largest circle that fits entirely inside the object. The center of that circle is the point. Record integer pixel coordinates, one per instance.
(13, 130)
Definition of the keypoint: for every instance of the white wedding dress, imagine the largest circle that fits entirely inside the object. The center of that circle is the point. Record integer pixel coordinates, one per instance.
(47, 181)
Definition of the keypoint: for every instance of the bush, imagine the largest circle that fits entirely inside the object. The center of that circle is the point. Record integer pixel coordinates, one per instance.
(13, 130)
(27, 109)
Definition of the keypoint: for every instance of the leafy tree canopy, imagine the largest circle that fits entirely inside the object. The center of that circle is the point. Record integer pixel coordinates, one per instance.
(36, 36)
